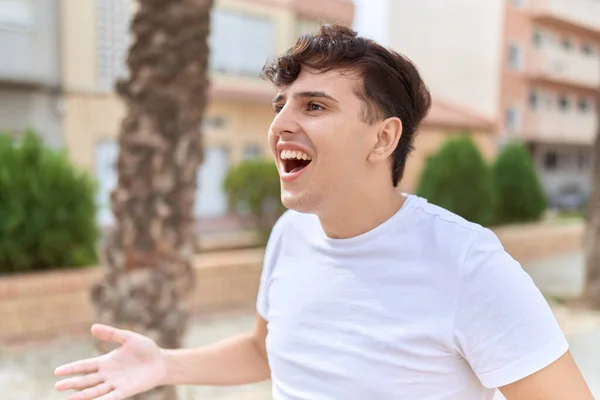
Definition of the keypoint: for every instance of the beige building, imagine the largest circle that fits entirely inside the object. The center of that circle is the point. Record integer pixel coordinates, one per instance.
(244, 34)
(532, 66)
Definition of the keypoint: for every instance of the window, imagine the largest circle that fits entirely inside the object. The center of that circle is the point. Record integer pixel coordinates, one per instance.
(587, 49)
(583, 104)
(112, 43)
(251, 151)
(533, 99)
(537, 38)
(16, 14)
(563, 102)
(512, 119)
(240, 44)
(566, 43)
(550, 161)
(514, 57)
(582, 161)
(213, 122)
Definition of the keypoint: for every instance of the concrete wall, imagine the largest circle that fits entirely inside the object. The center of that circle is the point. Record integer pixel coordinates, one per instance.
(456, 45)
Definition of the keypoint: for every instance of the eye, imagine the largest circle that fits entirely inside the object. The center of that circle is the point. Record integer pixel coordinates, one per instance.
(277, 108)
(314, 107)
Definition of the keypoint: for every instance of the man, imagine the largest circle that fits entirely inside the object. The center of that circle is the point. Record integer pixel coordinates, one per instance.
(366, 293)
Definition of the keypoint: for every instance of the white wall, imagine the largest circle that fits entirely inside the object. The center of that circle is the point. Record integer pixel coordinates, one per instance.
(455, 44)
(370, 19)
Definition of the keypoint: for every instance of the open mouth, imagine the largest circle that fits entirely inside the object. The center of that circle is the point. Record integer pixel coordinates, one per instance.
(294, 161)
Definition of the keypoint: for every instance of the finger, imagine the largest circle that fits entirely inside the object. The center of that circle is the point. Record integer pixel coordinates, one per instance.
(92, 393)
(111, 334)
(78, 367)
(80, 382)
(114, 395)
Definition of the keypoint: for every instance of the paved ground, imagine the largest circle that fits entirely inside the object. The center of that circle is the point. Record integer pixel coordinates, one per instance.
(27, 374)
(559, 276)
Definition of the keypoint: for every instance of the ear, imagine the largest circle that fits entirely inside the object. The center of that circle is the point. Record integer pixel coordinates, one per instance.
(386, 140)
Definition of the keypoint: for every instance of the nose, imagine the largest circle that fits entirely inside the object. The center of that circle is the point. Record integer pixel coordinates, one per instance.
(285, 122)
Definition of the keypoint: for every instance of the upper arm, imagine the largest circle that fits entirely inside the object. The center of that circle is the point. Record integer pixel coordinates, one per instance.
(504, 327)
(272, 250)
(260, 335)
(560, 380)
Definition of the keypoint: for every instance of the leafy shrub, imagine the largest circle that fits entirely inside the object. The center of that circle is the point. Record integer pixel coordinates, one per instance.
(521, 197)
(253, 188)
(47, 208)
(458, 179)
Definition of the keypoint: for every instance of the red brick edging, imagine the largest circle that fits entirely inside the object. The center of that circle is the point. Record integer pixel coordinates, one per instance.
(50, 304)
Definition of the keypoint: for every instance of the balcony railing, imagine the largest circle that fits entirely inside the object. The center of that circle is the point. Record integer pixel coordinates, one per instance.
(584, 14)
(565, 66)
(570, 127)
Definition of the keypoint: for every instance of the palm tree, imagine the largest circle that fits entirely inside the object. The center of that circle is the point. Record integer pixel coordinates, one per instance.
(148, 253)
(592, 282)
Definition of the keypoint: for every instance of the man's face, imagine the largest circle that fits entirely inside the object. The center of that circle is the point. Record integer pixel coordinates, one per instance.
(319, 142)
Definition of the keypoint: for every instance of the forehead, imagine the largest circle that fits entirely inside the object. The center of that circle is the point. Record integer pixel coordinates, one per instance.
(338, 84)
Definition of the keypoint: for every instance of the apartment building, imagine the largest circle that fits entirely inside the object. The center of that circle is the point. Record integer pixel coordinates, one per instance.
(550, 82)
(244, 33)
(30, 90)
(531, 66)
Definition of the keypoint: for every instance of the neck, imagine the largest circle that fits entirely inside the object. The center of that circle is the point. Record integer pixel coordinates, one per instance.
(361, 212)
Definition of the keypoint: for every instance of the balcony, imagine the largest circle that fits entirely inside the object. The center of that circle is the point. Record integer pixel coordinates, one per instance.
(29, 43)
(565, 67)
(583, 15)
(572, 128)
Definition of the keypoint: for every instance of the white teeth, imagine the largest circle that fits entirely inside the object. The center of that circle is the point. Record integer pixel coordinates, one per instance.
(298, 155)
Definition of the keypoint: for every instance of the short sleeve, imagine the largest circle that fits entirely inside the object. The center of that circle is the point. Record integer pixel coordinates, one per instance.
(504, 327)
(270, 260)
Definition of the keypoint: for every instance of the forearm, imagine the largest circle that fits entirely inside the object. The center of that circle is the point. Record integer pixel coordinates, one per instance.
(234, 361)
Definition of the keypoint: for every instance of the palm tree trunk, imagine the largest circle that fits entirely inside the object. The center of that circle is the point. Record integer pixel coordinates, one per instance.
(592, 248)
(148, 253)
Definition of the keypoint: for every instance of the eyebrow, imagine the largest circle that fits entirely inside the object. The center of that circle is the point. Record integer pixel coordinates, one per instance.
(306, 94)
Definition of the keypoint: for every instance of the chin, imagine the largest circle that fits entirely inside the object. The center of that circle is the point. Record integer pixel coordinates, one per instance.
(298, 202)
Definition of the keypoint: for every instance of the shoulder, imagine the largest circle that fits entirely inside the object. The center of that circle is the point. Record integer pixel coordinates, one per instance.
(450, 234)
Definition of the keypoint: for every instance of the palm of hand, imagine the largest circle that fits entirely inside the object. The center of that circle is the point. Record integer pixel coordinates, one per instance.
(135, 367)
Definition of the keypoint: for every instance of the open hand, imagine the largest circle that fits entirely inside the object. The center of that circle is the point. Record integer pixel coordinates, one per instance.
(136, 366)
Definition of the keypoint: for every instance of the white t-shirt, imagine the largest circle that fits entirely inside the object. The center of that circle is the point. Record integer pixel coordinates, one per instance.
(425, 306)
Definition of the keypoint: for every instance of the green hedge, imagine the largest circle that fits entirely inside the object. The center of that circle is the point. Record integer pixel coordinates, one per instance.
(521, 197)
(458, 179)
(47, 208)
(253, 188)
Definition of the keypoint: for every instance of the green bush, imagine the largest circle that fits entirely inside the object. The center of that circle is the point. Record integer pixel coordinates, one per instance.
(458, 179)
(253, 188)
(47, 208)
(521, 197)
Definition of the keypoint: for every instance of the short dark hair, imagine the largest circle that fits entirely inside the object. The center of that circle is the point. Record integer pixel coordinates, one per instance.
(391, 85)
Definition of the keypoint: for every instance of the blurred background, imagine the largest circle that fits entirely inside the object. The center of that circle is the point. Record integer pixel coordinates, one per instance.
(514, 119)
